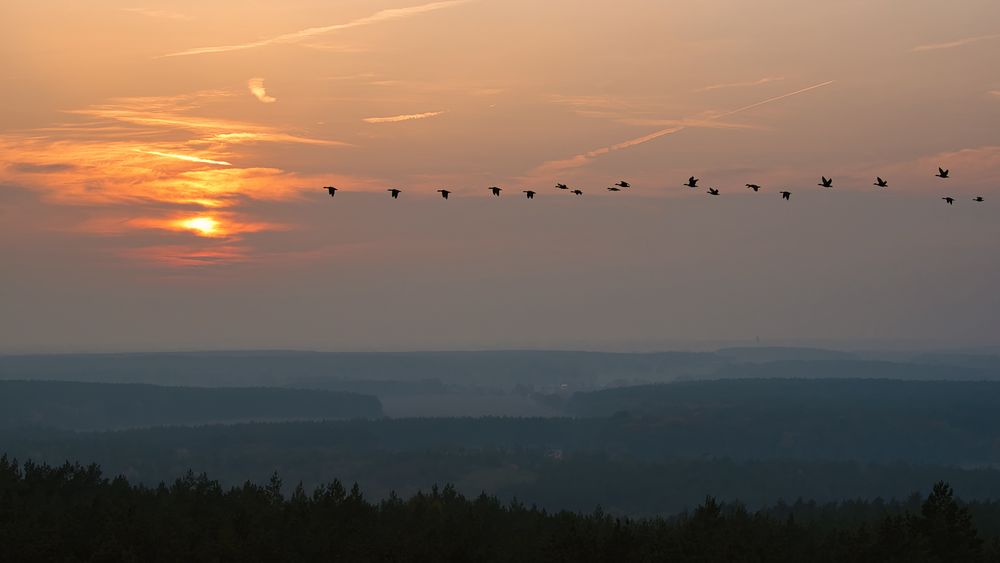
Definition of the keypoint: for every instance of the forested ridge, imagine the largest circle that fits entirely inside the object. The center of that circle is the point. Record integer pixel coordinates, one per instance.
(98, 406)
(74, 513)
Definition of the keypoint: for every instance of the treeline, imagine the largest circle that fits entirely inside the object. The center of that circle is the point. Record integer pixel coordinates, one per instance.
(96, 406)
(73, 512)
(405, 456)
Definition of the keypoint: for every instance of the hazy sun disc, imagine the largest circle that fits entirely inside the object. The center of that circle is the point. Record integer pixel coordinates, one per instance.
(203, 226)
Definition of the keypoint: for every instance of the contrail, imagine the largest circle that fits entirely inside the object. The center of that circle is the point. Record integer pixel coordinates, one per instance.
(774, 99)
(757, 82)
(953, 44)
(384, 15)
(581, 159)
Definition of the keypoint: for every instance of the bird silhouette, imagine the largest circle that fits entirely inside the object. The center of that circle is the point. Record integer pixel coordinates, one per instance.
(950, 200)
(942, 173)
(978, 198)
(713, 191)
(826, 182)
(394, 192)
(331, 189)
(692, 182)
(496, 191)
(562, 187)
(753, 187)
(529, 194)
(577, 192)
(444, 193)
(880, 182)
(786, 195)
(614, 189)
(623, 184)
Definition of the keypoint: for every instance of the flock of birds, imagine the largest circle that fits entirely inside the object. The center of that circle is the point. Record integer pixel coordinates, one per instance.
(691, 183)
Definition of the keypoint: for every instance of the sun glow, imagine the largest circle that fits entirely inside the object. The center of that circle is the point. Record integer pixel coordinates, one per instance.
(202, 226)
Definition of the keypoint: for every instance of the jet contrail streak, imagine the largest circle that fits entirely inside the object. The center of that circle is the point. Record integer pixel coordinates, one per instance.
(774, 99)
(581, 159)
(295, 36)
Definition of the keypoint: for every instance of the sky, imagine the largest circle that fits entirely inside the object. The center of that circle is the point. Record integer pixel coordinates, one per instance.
(162, 166)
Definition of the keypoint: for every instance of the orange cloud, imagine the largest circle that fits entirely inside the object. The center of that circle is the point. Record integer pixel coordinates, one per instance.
(972, 169)
(156, 164)
(185, 157)
(398, 118)
(256, 86)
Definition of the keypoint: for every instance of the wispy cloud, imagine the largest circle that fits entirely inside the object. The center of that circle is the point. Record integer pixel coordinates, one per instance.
(758, 82)
(30, 168)
(689, 122)
(161, 14)
(163, 164)
(256, 86)
(584, 158)
(955, 43)
(185, 157)
(266, 137)
(362, 76)
(297, 36)
(398, 118)
(603, 107)
(150, 116)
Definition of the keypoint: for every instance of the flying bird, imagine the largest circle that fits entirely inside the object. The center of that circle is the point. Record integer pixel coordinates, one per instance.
(331, 189)
(614, 189)
(978, 198)
(562, 187)
(692, 182)
(577, 192)
(942, 173)
(496, 191)
(444, 193)
(880, 182)
(394, 192)
(753, 187)
(950, 200)
(786, 195)
(529, 194)
(623, 184)
(713, 191)
(826, 182)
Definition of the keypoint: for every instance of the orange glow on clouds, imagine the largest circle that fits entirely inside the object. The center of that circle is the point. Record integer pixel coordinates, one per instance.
(147, 155)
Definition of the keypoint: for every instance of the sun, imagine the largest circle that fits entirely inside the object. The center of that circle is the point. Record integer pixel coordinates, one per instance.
(203, 226)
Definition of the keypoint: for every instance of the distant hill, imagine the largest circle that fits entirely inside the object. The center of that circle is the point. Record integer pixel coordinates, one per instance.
(781, 353)
(425, 383)
(499, 369)
(856, 369)
(91, 406)
(800, 395)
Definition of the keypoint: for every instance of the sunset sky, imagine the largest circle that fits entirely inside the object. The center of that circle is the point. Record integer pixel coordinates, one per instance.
(162, 165)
